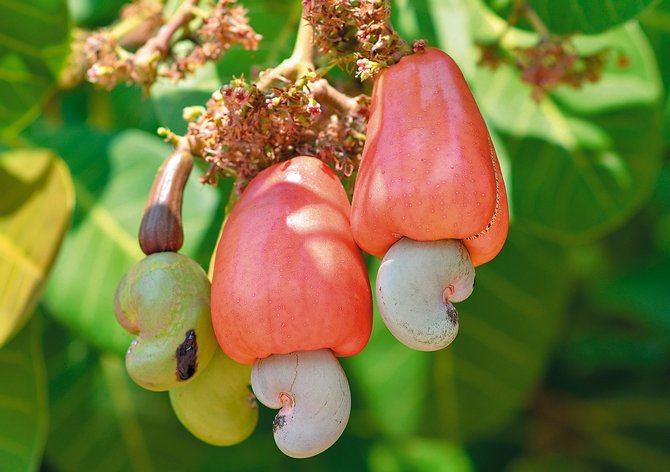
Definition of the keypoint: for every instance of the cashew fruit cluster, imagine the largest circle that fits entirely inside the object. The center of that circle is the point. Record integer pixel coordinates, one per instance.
(429, 196)
(290, 292)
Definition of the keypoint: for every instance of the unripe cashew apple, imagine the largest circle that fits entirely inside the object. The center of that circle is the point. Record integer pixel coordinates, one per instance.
(217, 407)
(164, 299)
(289, 282)
(429, 171)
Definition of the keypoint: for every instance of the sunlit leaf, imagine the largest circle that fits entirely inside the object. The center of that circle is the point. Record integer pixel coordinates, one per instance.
(35, 209)
(23, 401)
(29, 62)
(112, 176)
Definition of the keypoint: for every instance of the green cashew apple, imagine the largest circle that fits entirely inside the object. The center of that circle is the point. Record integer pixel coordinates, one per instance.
(218, 407)
(164, 299)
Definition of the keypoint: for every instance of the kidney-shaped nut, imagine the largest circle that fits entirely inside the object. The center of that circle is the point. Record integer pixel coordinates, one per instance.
(164, 299)
(416, 285)
(217, 407)
(311, 391)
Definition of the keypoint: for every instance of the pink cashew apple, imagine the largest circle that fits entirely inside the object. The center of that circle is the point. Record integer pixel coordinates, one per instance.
(429, 173)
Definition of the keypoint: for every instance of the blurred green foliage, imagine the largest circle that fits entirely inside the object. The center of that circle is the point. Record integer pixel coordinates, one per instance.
(563, 357)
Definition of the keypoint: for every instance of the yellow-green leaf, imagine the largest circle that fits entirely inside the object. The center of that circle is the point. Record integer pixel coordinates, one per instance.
(35, 209)
(23, 401)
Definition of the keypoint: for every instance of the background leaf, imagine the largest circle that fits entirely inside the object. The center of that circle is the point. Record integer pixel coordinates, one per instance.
(23, 401)
(35, 213)
(574, 16)
(112, 176)
(593, 16)
(29, 62)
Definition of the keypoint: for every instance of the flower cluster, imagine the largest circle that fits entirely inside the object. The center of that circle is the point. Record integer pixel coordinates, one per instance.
(168, 48)
(548, 64)
(226, 25)
(244, 130)
(357, 30)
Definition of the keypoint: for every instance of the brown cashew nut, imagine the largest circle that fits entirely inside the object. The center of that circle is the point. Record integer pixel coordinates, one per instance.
(161, 229)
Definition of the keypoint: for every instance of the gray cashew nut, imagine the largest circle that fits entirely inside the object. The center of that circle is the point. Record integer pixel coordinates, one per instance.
(417, 283)
(311, 391)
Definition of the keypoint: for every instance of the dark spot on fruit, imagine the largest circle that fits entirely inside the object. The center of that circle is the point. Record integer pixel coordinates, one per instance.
(187, 356)
(278, 423)
(452, 313)
(474, 282)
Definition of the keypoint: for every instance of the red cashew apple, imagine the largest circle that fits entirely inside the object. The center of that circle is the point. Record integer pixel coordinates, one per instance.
(429, 173)
(289, 293)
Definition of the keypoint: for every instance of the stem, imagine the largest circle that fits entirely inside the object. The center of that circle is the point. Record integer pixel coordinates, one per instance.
(329, 96)
(534, 19)
(303, 50)
(161, 42)
(298, 64)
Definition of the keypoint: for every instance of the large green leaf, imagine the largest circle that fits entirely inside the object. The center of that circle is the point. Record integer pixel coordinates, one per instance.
(112, 176)
(582, 160)
(34, 42)
(35, 212)
(575, 16)
(508, 327)
(23, 401)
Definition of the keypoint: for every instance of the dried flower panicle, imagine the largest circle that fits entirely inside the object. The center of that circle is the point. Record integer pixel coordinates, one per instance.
(226, 25)
(359, 30)
(244, 130)
(109, 63)
(548, 64)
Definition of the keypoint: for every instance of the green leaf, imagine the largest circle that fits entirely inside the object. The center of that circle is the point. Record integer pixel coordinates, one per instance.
(113, 176)
(583, 161)
(593, 16)
(508, 327)
(35, 213)
(419, 455)
(34, 42)
(641, 293)
(656, 25)
(93, 13)
(575, 16)
(23, 401)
